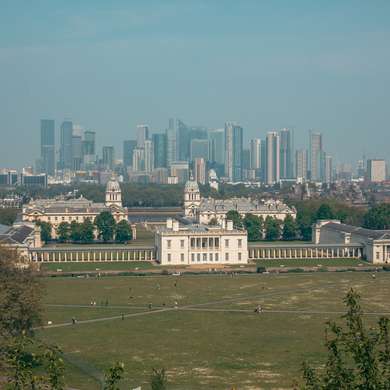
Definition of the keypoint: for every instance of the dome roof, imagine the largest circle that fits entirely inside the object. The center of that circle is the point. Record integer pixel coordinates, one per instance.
(113, 185)
(191, 186)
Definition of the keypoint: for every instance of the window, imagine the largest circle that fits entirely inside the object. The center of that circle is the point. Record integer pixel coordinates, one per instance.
(216, 256)
(169, 244)
(204, 242)
(192, 242)
(181, 243)
(193, 257)
(55, 218)
(216, 242)
(198, 257)
(49, 218)
(182, 257)
(227, 243)
(211, 257)
(226, 256)
(169, 257)
(240, 243)
(211, 242)
(204, 256)
(239, 256)
(63, 218)
(377, 255)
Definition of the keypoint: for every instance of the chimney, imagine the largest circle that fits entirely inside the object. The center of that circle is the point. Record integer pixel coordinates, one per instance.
(169, 223)
(229, 225)
(175, 226)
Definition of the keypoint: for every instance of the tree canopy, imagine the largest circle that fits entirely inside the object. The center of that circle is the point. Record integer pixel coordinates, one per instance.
(254, 226)
(290, 228)
(378, 217)
(123, 232)
(272, 229)
(234, 215)
(105, 224)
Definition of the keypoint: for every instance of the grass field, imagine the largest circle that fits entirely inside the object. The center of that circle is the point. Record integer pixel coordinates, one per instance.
(313, 263)
(213, 340)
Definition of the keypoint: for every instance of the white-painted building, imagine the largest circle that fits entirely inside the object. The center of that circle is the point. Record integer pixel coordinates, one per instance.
(203, 210)
(200, 244)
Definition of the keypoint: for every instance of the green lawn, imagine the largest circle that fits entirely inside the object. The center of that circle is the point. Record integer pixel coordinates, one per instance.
(313, 263)
(102, 266)
(213, 340)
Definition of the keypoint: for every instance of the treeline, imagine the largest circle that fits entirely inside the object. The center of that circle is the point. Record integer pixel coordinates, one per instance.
(84, 233)
(8, 215)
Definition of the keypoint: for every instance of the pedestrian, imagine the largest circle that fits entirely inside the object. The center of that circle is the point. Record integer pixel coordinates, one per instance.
(150, 306)
(106, 302)
(123, 316)
(73, 320)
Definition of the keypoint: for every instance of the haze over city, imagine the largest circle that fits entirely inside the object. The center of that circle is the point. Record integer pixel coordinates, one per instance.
(109, 67)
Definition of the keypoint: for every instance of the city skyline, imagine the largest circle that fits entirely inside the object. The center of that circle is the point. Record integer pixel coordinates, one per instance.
(298, 67)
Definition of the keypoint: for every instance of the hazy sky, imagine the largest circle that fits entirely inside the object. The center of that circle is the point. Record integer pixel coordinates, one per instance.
(109, 65)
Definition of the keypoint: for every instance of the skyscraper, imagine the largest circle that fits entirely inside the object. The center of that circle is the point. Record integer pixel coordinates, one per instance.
(255, 153)
(286, 154)
(89, 149)
(301, 164)
(171, 133)
(66, 134)
(138, 159)
(200, 170)
(376, 170)
(48, 146)
(108, 157)
(199, 149)
(160, 150)
(149, 155)
(142, 135)
(77, 152)
(128, 148)
(233, 151)
(272, 170)
(217, 146)
(315, 156)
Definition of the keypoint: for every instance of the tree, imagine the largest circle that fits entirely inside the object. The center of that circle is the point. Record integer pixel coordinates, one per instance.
(290, 228)
(123, 232)
(358, 358)
(324, 212)
(304, 221)
(105, 223)
(113, 376)
(63, 231)
(254, 227)
(8, 215)
(75, 231)
(45, 230)
(272, 229)
(213, 222)
(87, 231)
(159, 379)
(234, 215)
(378, 217)
(55, 367)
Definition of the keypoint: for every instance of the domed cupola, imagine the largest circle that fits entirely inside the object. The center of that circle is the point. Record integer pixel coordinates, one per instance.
(113, 193)
(191, 198)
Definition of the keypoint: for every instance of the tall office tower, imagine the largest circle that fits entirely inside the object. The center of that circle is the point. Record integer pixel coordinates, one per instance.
(89, 149)
(48, 146)
(108, 157)
(272, 170)
(180, 169)
(77, 152)
(286, 154)
(301, 164)
(326, 168)
(142, 135)
(376, 170)
(66, 134)
(183, 140)
(199, 170)
(199, 149)
(315, 156)
(139, 160)
(171, 134)
(160, 150)
(255, 153)
(360, 169)
(233, 151)
(246, 159)
(128, 148)
(149, 156)
(217, 146)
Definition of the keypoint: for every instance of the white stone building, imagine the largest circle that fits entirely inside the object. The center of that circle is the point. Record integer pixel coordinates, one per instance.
(56, 211)
(375, 244)
(199, 244)
(203, 210)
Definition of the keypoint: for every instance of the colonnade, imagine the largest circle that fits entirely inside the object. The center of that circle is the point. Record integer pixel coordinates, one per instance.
(91, 254)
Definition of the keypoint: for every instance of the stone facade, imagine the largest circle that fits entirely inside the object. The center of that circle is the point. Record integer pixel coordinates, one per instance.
(200, 244)
(56, 211)
(203, 210)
